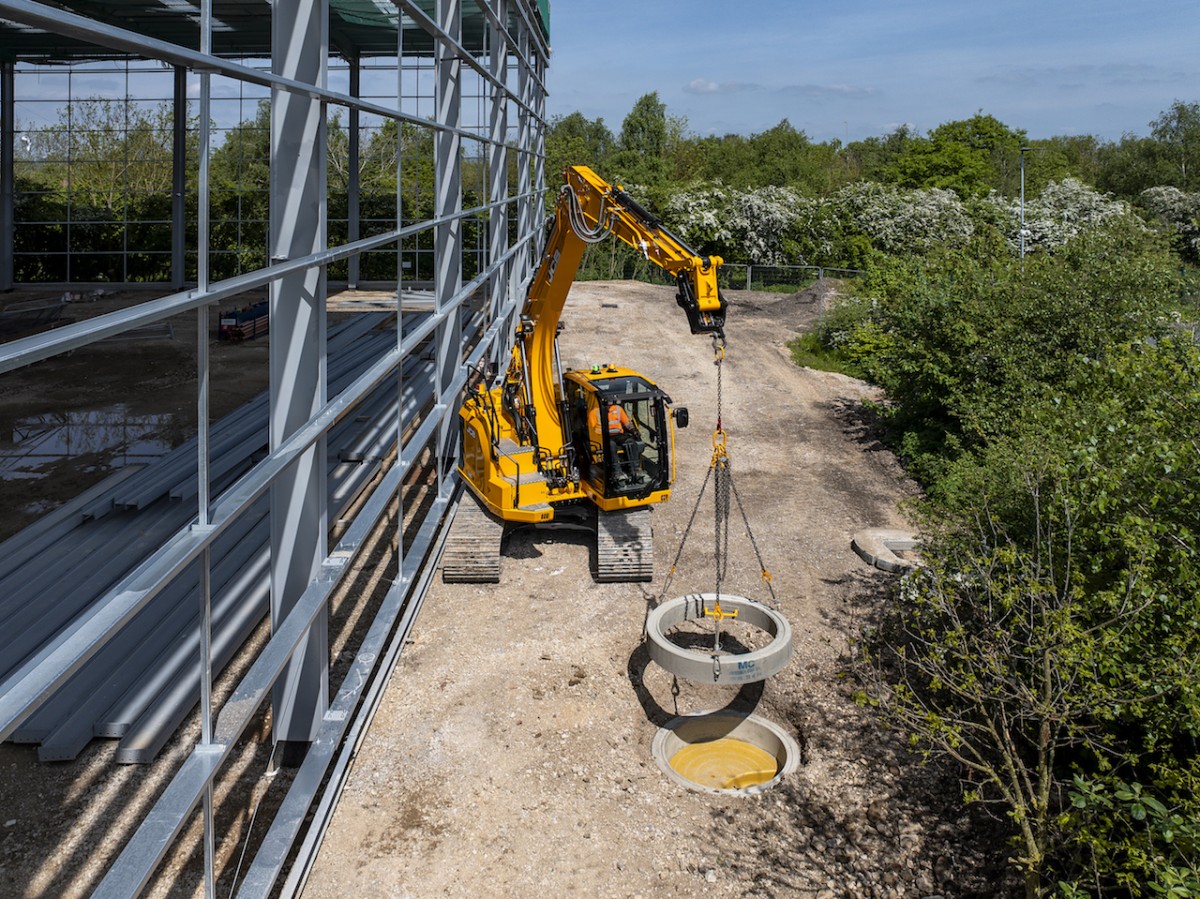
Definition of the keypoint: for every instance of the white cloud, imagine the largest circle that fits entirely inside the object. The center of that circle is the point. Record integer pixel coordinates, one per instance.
(843, 91)
(704, 86)
(1082, 75)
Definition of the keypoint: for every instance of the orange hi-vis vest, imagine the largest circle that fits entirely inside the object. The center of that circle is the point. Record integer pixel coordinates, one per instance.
(617, 419)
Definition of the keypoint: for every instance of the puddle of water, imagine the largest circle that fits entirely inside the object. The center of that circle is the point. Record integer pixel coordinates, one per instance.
(30, 446)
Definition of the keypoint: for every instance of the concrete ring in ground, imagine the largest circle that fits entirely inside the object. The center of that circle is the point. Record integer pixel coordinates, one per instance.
(743, 668)
(708, 727)
(878, 547)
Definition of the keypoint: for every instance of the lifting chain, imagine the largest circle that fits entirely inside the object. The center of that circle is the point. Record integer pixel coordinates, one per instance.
(721, 483)
(724, 491)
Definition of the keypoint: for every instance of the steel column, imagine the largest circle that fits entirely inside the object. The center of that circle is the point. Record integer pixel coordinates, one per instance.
(7, 129)
(498, 163)
(525, 159)
(179, 180)
(448, 235)
(538, 145)
(353, 187)
(299, 523)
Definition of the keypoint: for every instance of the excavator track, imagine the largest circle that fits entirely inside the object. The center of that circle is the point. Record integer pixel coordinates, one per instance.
(472, 552)
(624, 546)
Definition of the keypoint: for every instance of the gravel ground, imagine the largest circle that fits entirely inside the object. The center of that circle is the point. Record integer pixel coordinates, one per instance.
(511, 753)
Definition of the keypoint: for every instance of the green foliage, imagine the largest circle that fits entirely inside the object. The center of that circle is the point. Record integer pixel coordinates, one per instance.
(780, 157)
(1057, 158)
(1132, 165)
(642, 145)
(1050, 636)
(1150, 846)
(975, 340)
(874, 158)
(970, 157)
(575, 140)
(810, 351)
(850, 335)
(1177, 131)
(1179, 212)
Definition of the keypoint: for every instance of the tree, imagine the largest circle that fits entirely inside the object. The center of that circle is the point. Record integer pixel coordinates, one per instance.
(970, 157)
(1179, 211)
(640, 158)
(106, 152)
(871, 159)
(1177, 131)
(1065, 156)
(1054, 216)
(751, 226)
(644, 130)
(1131, 165)
(576, 140)
(239, 195)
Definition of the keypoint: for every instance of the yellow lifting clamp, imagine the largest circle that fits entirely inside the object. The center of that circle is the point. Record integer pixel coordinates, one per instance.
(717, 613)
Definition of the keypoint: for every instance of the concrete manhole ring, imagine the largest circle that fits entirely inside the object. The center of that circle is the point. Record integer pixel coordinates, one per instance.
(691, 664)
(726, 752)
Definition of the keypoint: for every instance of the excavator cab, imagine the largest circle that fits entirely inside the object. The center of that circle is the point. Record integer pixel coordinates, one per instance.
(620, 429)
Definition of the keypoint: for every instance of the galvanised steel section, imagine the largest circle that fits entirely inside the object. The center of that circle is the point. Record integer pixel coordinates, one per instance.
(61, 21)
(498, 163)
(352, 164)
(447, 204)
(299, 523)
(6, 174)
(470, 324)
(178, 180)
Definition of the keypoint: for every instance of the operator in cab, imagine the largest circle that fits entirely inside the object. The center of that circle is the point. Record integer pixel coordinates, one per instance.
(624, 443)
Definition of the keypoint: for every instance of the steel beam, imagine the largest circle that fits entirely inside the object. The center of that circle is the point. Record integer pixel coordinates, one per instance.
(448, 245)
(179, 180)
(498, 51)
(299, 521)
(353, 187)
(18, 353)
(60, 21)
(7, 129)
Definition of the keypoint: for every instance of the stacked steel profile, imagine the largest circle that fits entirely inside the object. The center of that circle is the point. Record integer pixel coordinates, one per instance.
(144, 683)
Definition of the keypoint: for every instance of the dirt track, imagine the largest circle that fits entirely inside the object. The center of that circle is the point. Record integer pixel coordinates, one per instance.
(511, 756)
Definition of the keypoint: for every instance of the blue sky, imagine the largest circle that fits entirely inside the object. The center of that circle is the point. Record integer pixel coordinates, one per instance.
(858, 68)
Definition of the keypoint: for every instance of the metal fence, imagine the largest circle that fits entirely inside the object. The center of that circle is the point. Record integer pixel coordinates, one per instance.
(779, 278)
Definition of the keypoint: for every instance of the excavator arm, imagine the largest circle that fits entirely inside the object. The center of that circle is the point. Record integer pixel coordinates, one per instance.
(588, 210)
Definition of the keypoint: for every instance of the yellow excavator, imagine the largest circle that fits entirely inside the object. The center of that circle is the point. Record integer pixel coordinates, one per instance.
(545, 445)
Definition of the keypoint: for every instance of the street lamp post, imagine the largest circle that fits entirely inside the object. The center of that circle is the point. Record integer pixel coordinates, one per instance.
(1024, 150)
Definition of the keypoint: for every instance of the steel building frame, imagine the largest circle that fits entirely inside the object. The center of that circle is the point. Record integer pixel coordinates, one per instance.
(507, 45)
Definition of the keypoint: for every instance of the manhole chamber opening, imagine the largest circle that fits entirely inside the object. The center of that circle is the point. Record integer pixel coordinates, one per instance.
(725, 752)
(756, 642)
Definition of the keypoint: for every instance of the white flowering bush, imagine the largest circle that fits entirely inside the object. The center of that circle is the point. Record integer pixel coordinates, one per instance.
(754, 226)
(903, 221)
(1178, 210)
(1058, 214)
(778, 226)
